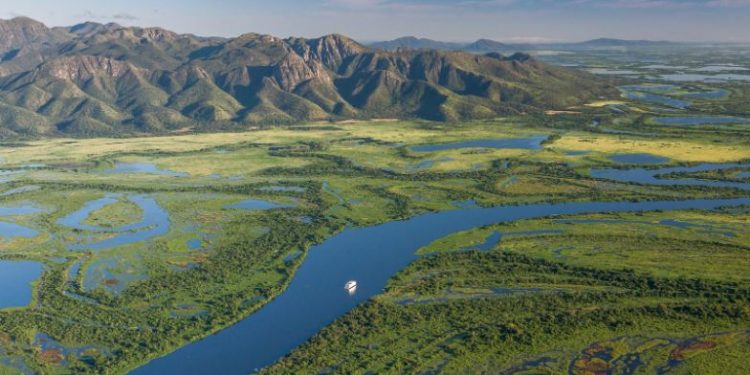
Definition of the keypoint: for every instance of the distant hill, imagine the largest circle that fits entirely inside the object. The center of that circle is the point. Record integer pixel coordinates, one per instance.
(93, 79)
(488, 45)
(480, 46)
(484, 46)
(608, 42)
(416, 43)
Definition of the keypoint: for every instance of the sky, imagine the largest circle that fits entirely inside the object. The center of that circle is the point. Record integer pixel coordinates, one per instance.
(449, 20)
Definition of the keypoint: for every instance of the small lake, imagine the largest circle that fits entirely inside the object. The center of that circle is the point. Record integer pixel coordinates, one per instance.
(638, 159)
(154, 223)
(284, 188)
(15, 282)
(531, 143)
(143, 168)
(709, 94)
(612, 72)
(656, 99)
(720, 68)
(700, 120)
(690, 77)
(258, 205)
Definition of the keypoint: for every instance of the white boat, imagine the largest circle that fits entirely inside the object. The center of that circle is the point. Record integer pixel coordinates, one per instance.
(350, 285)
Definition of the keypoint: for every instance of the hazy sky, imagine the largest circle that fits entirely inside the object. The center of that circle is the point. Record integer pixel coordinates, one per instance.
(455, 20)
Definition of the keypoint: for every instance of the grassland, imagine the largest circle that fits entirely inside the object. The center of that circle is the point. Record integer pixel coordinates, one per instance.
(624, 283)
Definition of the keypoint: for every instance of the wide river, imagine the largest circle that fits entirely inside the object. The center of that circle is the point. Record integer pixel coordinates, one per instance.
(372, 255)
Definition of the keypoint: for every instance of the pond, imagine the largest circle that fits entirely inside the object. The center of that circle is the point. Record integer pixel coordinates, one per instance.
(530, 143)
(614, 72)
(143, 168)
(258, 205)
(656, 99)
(284, 188)
(16, 278)
(638, 159)
(371, 255)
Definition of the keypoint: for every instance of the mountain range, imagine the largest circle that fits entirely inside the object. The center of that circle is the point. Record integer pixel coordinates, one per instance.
(97, 79)
(488, 45)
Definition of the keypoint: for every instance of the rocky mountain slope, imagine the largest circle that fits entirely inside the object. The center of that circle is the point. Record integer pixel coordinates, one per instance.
(93, 79)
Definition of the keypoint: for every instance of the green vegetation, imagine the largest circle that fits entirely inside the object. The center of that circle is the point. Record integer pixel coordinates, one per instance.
(591, 293)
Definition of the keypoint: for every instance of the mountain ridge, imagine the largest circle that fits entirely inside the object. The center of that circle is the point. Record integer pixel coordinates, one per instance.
(488, 45)
(105, 79)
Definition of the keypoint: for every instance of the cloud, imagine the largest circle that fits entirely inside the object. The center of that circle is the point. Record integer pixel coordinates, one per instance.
(729, 3)
(89, 15)
(125, 17)
(484, 5)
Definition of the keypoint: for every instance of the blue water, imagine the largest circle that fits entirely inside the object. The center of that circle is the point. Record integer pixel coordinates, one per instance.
(258, 205)
(743, 175)
(293, 189)
(673, 90)
(15, 282)
(700, 120)
(144, 168)
(371, 255)
(657, 99)
(194, 244)
(10, 230)
(155, 223)
(638, 159)
(20, 210)
(691, 77)
(490, 242)
(576, 153)
(720, 68)
(711, 94)
(652, 176)
(531, 143)
(707, 228)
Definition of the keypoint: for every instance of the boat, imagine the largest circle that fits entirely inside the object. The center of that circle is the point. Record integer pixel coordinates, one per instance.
(350, 285)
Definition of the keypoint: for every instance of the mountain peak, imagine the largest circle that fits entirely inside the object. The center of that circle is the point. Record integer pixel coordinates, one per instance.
(20, 31)
(331, 50)
(485, 45)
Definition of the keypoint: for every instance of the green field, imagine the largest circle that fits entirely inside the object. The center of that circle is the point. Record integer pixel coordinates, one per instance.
(585, 293)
